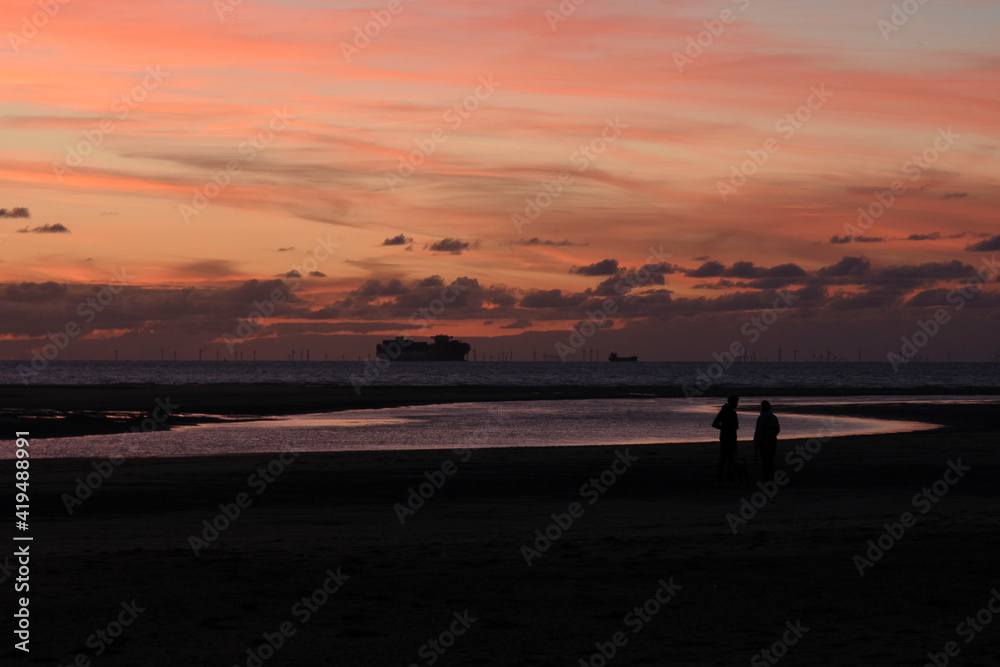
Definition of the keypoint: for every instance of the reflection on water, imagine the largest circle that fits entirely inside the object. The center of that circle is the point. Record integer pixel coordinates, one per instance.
(502, 424)
(333, 420)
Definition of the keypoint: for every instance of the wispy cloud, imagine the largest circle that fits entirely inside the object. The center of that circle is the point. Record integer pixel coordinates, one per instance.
(56, 228)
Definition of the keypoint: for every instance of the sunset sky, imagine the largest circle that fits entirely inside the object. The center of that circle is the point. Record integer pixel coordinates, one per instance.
(200, 156)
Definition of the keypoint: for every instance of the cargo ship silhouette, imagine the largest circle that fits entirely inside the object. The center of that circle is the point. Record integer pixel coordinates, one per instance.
(444, 348)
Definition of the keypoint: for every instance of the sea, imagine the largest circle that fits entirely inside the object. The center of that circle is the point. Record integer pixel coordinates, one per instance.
(832, 375)
(619, 421)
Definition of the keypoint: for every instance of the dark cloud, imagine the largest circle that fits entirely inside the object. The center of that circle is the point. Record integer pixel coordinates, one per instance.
(373, 289)
(242, 296)
(389, 304)
(544, 242)
(935, 236)
(710, 269)
(431, 281)
(984, 300)
(932, 236)
(955, 195)
(625, 280)
(286, 249)
(606, 323)
(848, 266)
(929, 298)
(718, 284)
(856, 239)
(785, 271)
(749, 270)
(913, 275)
(772, 282)
(317, 274)
(35, 309)
(33, 292)
(14, 213)
(873, 299)
(57, 228)
(988, 245)
(887, 285)
(762, 277)
(552, 298)
(605, 267)
(293, 274)
(649, 303)
(388, 328)
(326, 312)
(811, 295)
(735, 301)
(462, 298)
(400, 239)
(740, 270)
(859, 271)
(454, 246)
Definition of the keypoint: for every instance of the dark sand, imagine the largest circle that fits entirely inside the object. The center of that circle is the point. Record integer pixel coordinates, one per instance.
(663, 518)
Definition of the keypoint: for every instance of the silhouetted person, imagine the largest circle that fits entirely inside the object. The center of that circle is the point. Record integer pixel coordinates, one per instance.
(765, 437)
(728, 423)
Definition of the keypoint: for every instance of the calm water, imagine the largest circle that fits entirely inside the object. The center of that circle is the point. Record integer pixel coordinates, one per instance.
(508, 424)
(837, 375)
(477, 425)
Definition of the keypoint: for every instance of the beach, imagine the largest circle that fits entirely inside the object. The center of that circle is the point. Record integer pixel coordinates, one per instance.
(340, 559)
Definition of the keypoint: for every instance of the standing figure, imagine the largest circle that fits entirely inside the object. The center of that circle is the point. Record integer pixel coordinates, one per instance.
(728, 423)
(765, 437)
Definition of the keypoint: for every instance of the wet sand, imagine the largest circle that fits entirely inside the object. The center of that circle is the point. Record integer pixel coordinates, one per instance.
(58, 411)
(662, 518)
